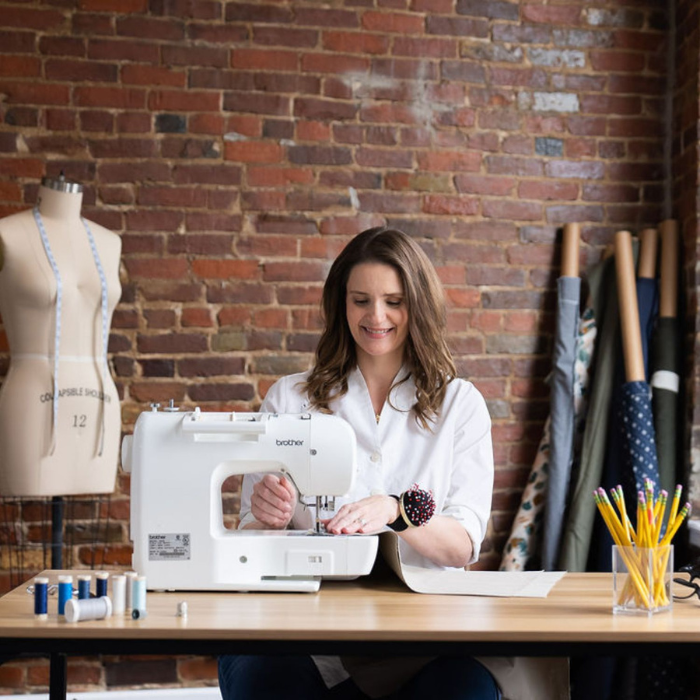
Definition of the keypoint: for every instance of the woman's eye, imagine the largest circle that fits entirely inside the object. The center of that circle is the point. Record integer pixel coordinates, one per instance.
(394, 303)
(360, 302)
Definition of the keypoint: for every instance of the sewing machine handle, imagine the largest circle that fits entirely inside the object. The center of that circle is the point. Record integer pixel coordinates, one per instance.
(192, 425)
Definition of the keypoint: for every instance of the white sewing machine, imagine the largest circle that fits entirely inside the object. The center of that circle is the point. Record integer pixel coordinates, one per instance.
(178, 463)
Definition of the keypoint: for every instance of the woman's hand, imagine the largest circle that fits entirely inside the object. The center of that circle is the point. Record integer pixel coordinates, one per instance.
(367, 515)
(273, 501)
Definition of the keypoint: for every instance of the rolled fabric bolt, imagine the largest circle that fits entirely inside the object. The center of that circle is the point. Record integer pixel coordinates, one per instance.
(118, 594)
(41, 597)
(130, 578)
(101, 579)
(137, 614)
(84, 581)
(65, 592)
(139, 596)
(88, 609)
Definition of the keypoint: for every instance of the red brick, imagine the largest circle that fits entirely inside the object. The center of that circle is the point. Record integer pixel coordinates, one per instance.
(355, 42)
(17, 42)
(151, 28)
(123, 50)
(443, 204)
(453, 161)
(517, 211)
(184, 101)
(285, 36)
(207, 124)
(153, 220)
(30, 18)
(20, 66)
(152, 75)
(22, 167)
(558, 15)
(195, 56)
(60, 119)
(226, 269)
(301, 271)
(196, 317)
(393, 22)
(172, 196)
(118, 6)
(603, 104)
(217, 33)
(35, 93)
(278, 177)
(114, 97)
(328, 63)
(544, 190)
(580, 148)
(264, 59)
(161, 269)
(10, 191)
(479, 184)
(428, 48)
(133, 122)
(253, 151)
(618, 61)
(256, 103)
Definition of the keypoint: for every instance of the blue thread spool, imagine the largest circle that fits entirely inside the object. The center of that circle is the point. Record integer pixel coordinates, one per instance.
(84, 586)
(139, 597)
(65, 592)
(41, 597)
(101, 579)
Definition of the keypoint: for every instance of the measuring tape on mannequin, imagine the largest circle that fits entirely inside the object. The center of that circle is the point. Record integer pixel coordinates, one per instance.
(57, 332)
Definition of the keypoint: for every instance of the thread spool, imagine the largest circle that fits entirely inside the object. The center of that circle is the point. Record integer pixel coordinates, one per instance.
(130, 577)
(181, 609)
(88, 609)
(118, 594)
(65, 592)
(84, 581)
(101, 579)
(41, 597)
(139, 598)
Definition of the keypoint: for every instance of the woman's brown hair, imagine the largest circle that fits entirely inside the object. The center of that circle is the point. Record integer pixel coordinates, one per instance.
(427, 357)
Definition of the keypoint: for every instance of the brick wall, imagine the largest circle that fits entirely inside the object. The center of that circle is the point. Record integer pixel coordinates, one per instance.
(236, 146)
(685, 170)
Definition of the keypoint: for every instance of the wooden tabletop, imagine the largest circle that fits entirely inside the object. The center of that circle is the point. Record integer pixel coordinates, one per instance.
(577, 609)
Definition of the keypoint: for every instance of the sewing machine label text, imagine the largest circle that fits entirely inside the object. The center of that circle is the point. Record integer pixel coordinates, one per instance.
(289, 443)
(170, 546)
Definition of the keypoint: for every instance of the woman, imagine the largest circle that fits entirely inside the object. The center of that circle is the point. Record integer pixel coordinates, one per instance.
(382, 364)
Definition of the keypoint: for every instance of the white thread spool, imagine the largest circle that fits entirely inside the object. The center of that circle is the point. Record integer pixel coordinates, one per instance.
(130, 578)
(88, 609)
(118, 594)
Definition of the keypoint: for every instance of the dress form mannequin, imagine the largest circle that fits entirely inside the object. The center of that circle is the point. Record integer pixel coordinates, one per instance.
(67, 446)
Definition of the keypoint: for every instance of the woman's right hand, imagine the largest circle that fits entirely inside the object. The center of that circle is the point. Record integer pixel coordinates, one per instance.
(273, 501)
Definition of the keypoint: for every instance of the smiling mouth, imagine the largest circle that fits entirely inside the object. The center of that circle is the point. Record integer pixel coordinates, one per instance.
(377, 331)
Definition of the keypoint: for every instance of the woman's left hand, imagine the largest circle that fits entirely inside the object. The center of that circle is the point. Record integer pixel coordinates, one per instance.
(367, 515)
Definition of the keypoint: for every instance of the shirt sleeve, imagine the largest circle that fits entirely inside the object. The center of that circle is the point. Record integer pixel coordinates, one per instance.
(281, 397)
(471, 486)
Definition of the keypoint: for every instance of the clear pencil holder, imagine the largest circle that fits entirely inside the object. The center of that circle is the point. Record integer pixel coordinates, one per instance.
(642, 579)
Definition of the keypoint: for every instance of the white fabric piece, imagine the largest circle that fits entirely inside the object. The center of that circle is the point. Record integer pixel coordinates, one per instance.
(664, 379)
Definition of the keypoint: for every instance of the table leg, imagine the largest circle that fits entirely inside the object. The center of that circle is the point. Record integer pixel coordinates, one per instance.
(58, 676)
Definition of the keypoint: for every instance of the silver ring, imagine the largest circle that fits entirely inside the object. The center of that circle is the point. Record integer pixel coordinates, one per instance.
(362, 521)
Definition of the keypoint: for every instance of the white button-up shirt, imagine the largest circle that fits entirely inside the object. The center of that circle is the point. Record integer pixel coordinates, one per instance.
(454, 459)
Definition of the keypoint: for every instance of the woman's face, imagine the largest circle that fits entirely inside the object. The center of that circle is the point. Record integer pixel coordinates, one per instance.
(376, 310)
